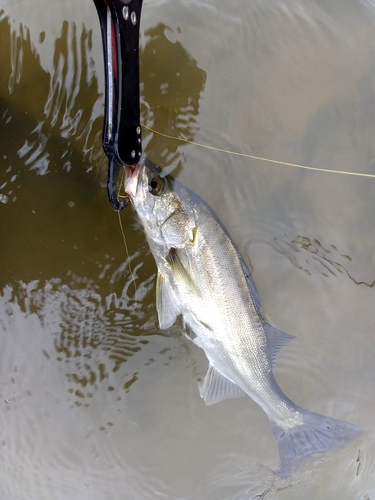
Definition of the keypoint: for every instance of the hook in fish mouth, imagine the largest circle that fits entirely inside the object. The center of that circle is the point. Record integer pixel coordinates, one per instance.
(117, 175)
(132, 180)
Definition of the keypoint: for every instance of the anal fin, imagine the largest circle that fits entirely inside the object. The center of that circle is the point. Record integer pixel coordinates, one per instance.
(217, 387)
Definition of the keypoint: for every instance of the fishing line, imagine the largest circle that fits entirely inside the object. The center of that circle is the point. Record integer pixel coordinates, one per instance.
(124, 240)
(236, 153)
(127, 254)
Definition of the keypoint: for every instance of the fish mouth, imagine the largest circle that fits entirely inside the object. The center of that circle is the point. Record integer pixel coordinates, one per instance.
(133, 180)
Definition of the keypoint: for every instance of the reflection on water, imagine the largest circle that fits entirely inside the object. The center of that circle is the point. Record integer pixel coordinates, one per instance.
(172, 80)
(97, 402)
(65, 103)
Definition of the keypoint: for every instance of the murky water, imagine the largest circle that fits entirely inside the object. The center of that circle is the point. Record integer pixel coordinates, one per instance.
(95, 401)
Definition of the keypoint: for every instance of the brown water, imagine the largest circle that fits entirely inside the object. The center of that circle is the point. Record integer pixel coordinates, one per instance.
(95, 401)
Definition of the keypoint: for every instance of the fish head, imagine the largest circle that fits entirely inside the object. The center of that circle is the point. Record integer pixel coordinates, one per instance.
(164, 212)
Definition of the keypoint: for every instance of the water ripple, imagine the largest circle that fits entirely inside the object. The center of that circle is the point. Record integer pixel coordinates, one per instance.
(76, 358)
(83, 324)
(311, 256)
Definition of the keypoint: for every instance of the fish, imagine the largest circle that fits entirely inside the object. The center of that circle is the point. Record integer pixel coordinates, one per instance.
(202, 277)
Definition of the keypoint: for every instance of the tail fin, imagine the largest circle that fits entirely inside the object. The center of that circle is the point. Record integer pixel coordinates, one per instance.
(317, 434)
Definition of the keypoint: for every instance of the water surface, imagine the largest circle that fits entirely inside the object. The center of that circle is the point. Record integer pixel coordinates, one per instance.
(95, 401)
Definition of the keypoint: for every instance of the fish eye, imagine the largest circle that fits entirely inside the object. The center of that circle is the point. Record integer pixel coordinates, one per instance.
(156, 185)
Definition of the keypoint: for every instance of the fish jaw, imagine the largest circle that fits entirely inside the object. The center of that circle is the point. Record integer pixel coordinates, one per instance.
(132, 183)
(136, 187)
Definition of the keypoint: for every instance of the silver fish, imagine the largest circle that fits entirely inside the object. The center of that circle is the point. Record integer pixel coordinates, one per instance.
(202, 277)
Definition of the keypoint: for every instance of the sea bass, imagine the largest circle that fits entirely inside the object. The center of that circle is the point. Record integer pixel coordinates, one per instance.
(202, 277)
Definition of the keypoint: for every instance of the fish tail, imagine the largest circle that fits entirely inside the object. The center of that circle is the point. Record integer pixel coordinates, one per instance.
(317, 434)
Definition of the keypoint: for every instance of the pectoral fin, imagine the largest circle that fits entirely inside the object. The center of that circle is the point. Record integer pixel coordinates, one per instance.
(180, 273)
(217, 387)
(166, 304)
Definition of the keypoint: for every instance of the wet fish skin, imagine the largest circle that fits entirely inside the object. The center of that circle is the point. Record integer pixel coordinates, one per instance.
(202, 277)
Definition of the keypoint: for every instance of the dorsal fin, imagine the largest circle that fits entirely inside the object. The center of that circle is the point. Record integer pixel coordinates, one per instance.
(276, 340)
